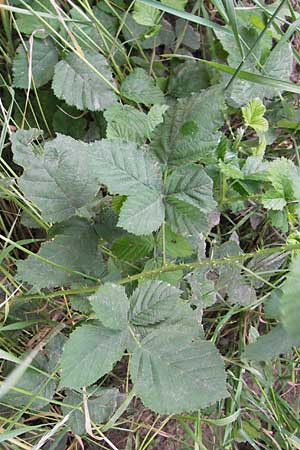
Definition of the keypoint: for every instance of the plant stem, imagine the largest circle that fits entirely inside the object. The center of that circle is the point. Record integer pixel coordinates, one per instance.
(166, 269)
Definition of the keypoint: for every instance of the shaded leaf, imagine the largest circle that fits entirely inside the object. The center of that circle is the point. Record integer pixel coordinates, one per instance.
(39, 62)
(101, 403)
(75, 247)
(188, 78)
(33, 383)
(82, 86)
(290, 299)
(273, 344)
(131, 248)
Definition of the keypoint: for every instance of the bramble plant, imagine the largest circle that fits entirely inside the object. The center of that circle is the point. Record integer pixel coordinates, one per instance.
(132, 170)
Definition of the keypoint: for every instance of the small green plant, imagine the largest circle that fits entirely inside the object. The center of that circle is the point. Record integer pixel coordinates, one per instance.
(140, 168)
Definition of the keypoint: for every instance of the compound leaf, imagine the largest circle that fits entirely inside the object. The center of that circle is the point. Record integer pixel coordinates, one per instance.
(94, 348)
(83, 86)
(174, 373)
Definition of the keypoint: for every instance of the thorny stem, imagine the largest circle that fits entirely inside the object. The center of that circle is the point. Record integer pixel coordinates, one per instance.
(168, 268)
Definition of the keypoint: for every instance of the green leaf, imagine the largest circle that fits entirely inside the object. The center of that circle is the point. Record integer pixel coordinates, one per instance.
(203, 288)
(189, 132)
(129, 171)
(106, 221)
(187, 34)
(101, 403)
(253, 115)
(188, 78)
(155, 305)
(66, 178)
(176, 246)
(155, 116)
(110, 304)
(184, 218)
(172, 278)
(289, 302)
(131, 248)
(271, 345)
(284, 176)
(142, 214)
(33, 383)
(83, 86)
(22, 146)
(126, 122)
(177, 4)
(139, 87)
(125, 169)
(29, 24)
(139, 36)
(277, 65)
(242, 295)
(67, 120)
(145, 15)
(273, 200)
(93, 34)
(231, 170)
(74, 246)
(62, 180)
(272, 305)
(94, 348)
(38, 61)
(192, 185)
(170, 357)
